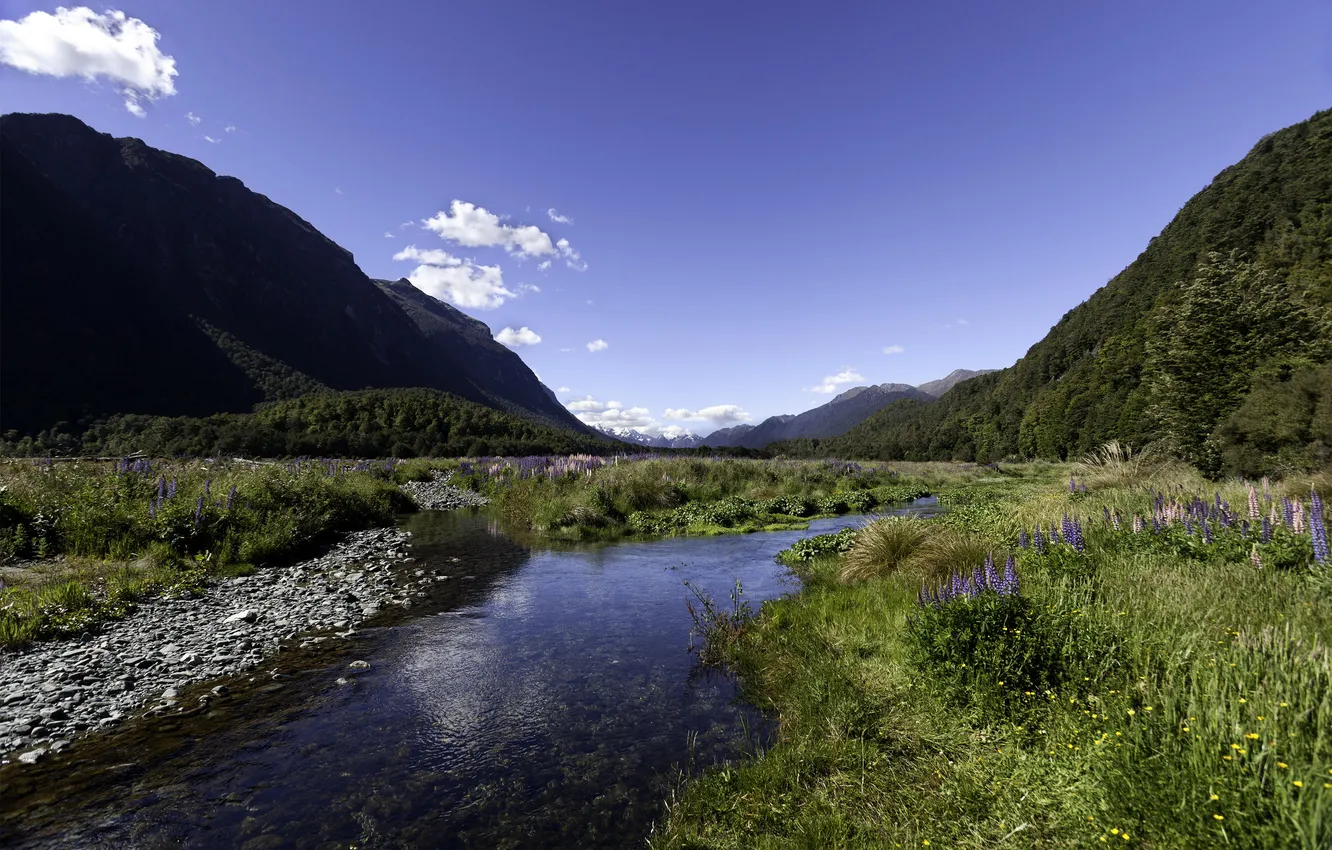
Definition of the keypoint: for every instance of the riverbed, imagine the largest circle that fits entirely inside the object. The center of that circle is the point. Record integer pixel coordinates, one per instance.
(542, 698)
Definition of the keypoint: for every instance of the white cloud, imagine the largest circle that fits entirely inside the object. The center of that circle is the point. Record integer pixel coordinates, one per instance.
(562, 390)
(477, 227)
(718, 414)
(559, 219)
(962, 322)
(230, 128)
(192, 118)
(79, 42)
(462, 283)
(517, 338)
(612, 414)
(832, 382)
(572, 258)
(215, 141)
(388, 234)
(407, 224)
(543, 265)
(598, 345)
(430, 256)
(524, 288)
(339, 191)
(585, 403)
(893, 349)
(566, 349)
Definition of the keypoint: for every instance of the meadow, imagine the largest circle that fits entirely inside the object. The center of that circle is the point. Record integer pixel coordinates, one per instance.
(1116, 653)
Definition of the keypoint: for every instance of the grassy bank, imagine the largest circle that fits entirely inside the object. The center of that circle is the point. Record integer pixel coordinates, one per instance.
(595, 498)
(1169, 686)
(82, 542)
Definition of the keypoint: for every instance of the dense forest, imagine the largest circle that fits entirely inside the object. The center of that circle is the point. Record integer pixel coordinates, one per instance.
(368, 423)
(1211, 344)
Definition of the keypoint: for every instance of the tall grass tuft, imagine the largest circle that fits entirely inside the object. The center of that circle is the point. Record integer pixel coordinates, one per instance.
(882, 547)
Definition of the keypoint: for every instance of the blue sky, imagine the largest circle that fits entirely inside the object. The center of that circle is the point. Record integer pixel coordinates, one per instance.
(766, 201)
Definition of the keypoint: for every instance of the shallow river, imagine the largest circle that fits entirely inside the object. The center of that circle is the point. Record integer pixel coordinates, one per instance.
(540, 699)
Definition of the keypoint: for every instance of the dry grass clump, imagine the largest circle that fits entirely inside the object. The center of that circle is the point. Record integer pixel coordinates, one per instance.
(947, 550)
(882, 547)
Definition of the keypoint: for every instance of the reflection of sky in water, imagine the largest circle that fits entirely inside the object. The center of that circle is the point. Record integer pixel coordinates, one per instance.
(549, 707)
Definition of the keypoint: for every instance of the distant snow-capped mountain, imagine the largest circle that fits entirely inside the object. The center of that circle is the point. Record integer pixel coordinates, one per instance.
(629, 435)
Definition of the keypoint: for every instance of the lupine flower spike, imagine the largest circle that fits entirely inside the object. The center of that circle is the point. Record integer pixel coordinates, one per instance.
(1317, 530)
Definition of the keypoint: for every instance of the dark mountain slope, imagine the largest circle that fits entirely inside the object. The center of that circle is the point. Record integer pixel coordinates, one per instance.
(493, 371)
(138, 281)
(1124, 364)
(826, 420)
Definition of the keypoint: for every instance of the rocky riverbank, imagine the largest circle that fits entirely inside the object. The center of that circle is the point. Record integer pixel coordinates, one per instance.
(439, 495)
(55, 691)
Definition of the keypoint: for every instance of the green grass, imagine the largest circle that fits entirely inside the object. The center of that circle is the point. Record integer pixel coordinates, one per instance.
(117, 545)
(1150, 694)
(699, 496)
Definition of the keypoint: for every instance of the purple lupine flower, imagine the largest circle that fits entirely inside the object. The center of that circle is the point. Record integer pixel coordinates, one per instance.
(161, 488)
(152, 509)
(1105, 512)
(1156, 525)
(1038, 541)
(198, 510)
(231, 497)
(992, 580)
(1288, 512)
(1072, 485)
(978, 585)
(1317, 530)
(1188, 526)
(171, 488)
(1010, 576)
(1078, 544)
(1206, 532)
(958, 588)
(1023, 543)
(1244, 528)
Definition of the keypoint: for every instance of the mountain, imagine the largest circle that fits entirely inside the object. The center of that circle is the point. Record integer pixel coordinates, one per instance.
(630, 435)
(497, 374)
(728, 436)
(957, 376)
(139, 281)
(1211, 343)
(827, 420)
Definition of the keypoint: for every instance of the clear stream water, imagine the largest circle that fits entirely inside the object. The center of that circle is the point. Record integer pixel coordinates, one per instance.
(543, 698)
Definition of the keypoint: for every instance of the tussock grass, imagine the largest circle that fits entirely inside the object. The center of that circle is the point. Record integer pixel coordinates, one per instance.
(882, 547)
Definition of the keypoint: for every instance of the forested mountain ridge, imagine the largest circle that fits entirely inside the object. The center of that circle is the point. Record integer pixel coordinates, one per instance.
(138, 281)
(1232, 295)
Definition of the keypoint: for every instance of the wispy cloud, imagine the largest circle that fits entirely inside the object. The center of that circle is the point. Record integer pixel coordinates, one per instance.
(572, 258)
(79, 42)
(339, 191)
(517, 338)
(406, 224)
(598, 345)
(613, 414)
(230, 128)
(559, 219)
(893, 349)
(562, 390)
(543, 265)
(388, 234)
(215, 141)
(830, 383)
(192, 118)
